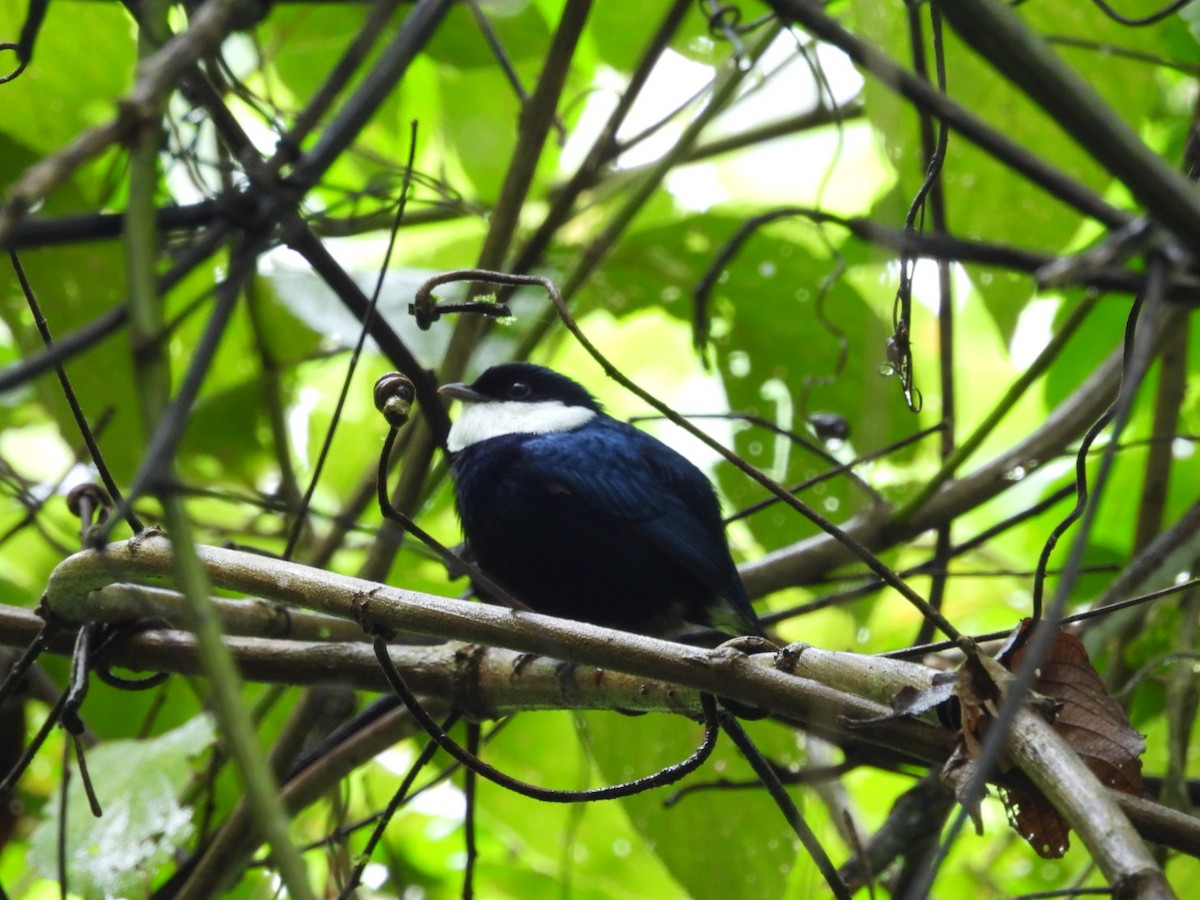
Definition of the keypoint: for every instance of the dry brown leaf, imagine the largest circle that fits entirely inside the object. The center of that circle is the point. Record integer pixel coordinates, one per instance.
(1035, 819)
(956, 774)
(978, 696)
(910, 701)
(1083, 713)
(1088, 718)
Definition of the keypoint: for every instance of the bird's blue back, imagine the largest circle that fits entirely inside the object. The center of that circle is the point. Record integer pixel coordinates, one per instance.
(603, 524)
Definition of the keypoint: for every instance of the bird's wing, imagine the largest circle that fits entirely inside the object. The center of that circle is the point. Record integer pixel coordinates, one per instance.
(615, 472)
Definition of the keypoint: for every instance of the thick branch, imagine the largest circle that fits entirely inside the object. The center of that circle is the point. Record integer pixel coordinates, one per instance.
(834, 691)
(377, 607)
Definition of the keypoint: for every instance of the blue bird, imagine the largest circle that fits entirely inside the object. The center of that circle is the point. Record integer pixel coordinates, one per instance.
(582, 516)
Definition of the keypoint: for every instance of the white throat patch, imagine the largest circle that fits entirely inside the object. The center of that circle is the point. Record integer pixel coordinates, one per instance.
(481, 421)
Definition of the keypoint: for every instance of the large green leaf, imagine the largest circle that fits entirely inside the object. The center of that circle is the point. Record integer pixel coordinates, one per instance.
(138, 785)
(74, 285)
(521, 30)
(64, 90)
(590, 846)
(777, 358)
(622, 28)
(721, 842)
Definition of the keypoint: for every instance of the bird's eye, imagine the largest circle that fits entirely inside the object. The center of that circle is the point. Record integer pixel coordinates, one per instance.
(518, 390)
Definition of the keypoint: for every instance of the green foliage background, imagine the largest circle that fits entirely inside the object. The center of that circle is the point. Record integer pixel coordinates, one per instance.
(776, 313)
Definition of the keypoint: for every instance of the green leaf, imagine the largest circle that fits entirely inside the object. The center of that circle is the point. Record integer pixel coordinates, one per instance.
(776, 347)
(591, 846)
(64, 90)
(74, 285)
(137, 783)
(621, 29)
(520, 29)
(483, 133)
(722, 842)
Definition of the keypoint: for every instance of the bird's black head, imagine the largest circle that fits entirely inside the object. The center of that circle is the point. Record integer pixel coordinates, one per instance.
(517, 398)
(523, 382)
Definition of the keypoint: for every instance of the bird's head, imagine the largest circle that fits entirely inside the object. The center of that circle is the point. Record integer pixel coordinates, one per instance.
(517, 398)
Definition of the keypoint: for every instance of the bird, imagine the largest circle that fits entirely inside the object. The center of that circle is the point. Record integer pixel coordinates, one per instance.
(582, 516)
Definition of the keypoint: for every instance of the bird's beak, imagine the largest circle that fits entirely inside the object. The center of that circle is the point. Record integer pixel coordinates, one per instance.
(463, 392)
